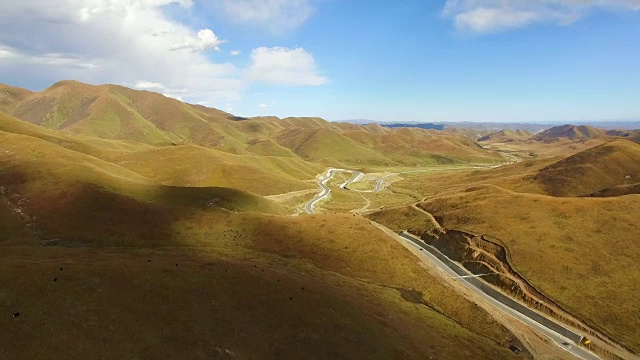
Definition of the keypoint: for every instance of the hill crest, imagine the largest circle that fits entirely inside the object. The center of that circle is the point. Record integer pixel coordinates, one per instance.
(595, 170)
(572, 132)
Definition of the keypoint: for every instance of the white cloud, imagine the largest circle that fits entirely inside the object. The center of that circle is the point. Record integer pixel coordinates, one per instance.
(228, 107)
(486, 16)
(235, 52)
(280, 65)
(148, 85)
(7, 52)
(206, 40)
(112, 41)
(262, 106)
(276, 15)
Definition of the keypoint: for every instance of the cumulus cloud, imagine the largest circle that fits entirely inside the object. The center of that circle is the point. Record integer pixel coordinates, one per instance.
(148, 85)
(112, 41)
(235, 52)
(486, 16)
(206, 39)
(262, 106)
(277, 15)
(280, 65)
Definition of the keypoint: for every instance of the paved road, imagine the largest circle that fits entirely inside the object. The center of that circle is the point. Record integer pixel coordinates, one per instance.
(565, 338)
(324, 192)
(324, 189)
(356, 176)
(381, 180)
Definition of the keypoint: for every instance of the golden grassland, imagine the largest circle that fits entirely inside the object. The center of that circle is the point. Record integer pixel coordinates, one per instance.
(118, 113)
(506, 135)
(144, 199)
(201, 272)
(581, 252)
(185, 165)
(407, 218)
(203, 305)
(534, 149)
(571, 132)
(612, 164)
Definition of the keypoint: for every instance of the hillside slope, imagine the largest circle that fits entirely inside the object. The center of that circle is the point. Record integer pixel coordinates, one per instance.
(572, 132)
(183, 165)
(118, 113)
(10, 96)
(579, 251)
(605, 166)
(96, 252)
(76, 197)
(506, 136)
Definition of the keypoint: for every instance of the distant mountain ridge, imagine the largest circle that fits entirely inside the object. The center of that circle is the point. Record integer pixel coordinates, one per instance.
(572, 132)
(507, 136)
(119, 113)
(426, 126)
(534, 127)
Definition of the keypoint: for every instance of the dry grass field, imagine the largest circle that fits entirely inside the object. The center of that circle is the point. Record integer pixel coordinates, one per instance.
(170, 251)
(200, 304)
(581, 252)
(133, 219)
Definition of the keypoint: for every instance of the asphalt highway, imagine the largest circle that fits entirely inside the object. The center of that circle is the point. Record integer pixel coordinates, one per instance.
(565, 338)
(381, 181)
(356, 176)
(324, 189)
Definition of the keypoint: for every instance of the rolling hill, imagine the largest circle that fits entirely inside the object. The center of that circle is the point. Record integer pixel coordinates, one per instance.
(10, 95)
(506, 136)
(182, 165)
(579, 251)
(632, 135)
(564, 246)
(572, 132)
(590, 171)
(118, 113)
(115, 241)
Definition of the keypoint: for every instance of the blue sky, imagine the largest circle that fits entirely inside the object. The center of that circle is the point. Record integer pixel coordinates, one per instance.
(456, 60)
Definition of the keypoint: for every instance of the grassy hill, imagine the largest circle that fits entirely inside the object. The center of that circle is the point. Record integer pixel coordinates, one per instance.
(77, 197)
(632, 135)
(10, 95)
(183, 165)
(118, 113)
(506, 136)
(317, 144)
(605, 166)
(579, 251)
(572, 132)
(110, 242)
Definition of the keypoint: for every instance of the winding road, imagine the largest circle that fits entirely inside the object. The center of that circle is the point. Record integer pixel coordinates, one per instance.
(564, 337)
(567, 339)
(324, 189)
(381, 181)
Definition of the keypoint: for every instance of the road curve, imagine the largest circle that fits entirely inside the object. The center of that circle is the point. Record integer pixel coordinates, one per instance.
(568, 340)
(324, 189)
(381, 181)
(357, 175)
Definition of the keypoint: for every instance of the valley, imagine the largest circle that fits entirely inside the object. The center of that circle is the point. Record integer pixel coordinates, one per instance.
(124, 210)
